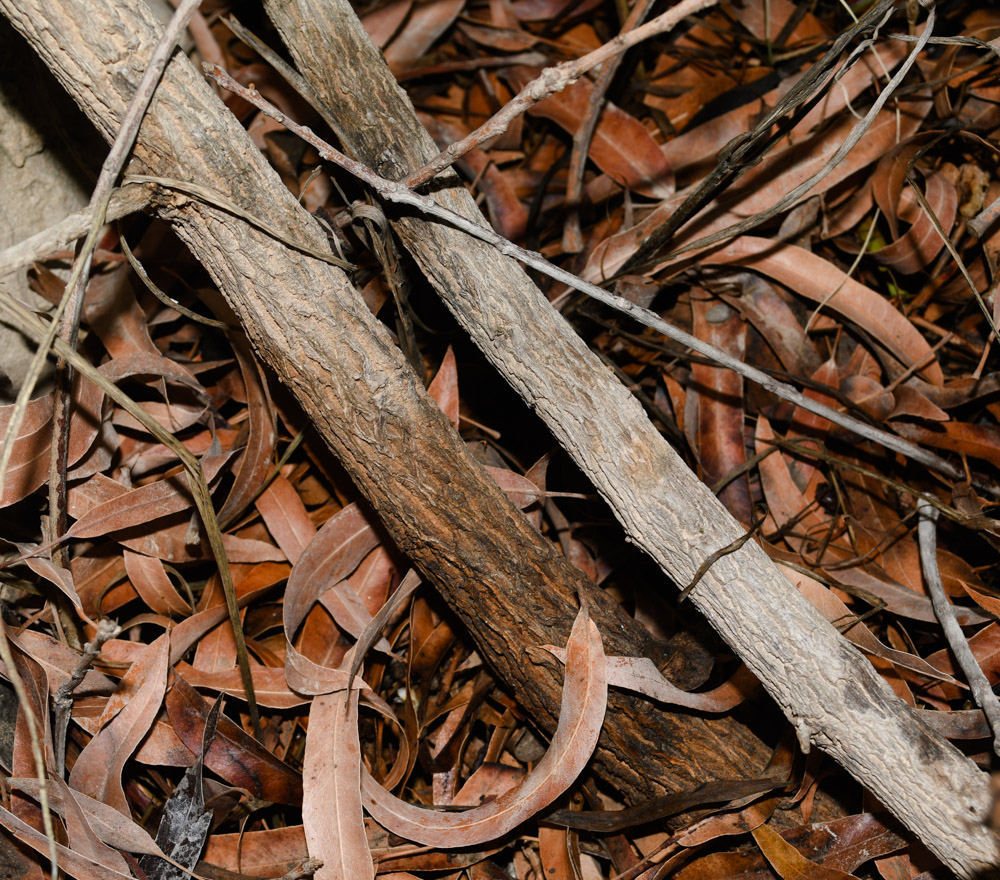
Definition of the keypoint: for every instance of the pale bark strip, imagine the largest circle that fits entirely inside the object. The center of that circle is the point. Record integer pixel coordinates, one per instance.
(832, 695)
(511, 589)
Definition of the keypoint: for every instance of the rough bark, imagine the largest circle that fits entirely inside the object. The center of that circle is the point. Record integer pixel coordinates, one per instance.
(824, 686)
(506, 582)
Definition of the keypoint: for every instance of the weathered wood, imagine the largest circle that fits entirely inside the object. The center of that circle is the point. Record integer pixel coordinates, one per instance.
(506, 582)
(825, 687)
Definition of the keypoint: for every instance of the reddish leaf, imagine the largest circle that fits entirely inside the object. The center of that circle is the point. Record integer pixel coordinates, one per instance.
(621, 146)
(719, 392)
(235, 756)
(815, 278)
(426, 23)
(788, 862)
(150, 580)
(137, 507)
(286, 518)
(269, 853)
(255, 462)
(28, 468)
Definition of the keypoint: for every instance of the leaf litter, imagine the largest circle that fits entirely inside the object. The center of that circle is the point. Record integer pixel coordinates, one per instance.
(385, 744)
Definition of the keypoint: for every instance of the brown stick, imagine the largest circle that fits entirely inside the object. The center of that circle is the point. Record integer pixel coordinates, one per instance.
(313, 328)
(830, 693)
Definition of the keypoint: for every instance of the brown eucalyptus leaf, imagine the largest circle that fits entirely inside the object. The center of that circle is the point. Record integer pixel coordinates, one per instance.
(580, 719)
(59, 661)
(381, 24)
(140, 506)
(555, 853)
(332, 815)
(28, 468)
(720, 442)
(519, 489)
(151, 582)
(349, 612)
(269, 685)
(425, 24)
(337, 550)
(444, 387)
(44, 567)
(255, 462)
(74, 864)
(286, 518)
(788, 862)
(815, 278)
(82, 836)
(107, 823)
(269, 853)
(98, 769)
(621, 147)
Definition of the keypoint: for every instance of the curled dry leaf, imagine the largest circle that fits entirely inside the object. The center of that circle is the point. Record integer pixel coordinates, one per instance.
(813, 277)
(621, 146)
(73, 863)
(110, 826)
(640, 674)
(788, 862)
(29, 461)
(580, 718)
(137, 507)
(286, 518)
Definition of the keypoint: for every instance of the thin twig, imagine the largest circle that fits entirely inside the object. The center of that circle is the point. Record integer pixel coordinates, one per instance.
(140, 270)
(552, 80)
(572, 237)
(400, 194)
(217, 199)
(125, 200)
(62, 702)
(974, 675)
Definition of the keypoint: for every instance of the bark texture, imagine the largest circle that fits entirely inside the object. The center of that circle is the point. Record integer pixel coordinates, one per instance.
(307, 321)
(825, 687)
